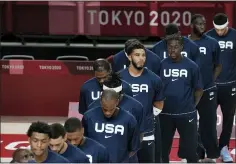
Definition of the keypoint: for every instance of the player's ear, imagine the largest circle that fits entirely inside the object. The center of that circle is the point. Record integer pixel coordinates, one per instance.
(129, 57)
(65, 137)
(82, 131)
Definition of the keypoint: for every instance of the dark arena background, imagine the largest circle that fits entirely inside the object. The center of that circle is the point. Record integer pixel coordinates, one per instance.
(47, 89)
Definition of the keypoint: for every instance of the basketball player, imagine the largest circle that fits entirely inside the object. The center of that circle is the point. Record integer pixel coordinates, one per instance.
(59, 145)
(183, 90)
(96, 152)
(226, 81)
(190, 49)
(39, 134)
(147, 89)
(121, 61)
(210, 69)
(113, 127)
(92, 88)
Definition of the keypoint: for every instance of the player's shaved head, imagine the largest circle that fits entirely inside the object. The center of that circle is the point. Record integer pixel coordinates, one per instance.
(171, 29)
(109, 94)
(101, 65)
(109, 102)
(196, 16)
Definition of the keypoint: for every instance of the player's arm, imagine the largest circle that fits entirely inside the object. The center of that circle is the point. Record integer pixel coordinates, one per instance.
(158, 103)
(134, 140)
(216, 61)
(85, 125)
(157, 66)
(82, 101)
(195, 53)
(103, 156)
(197, 85)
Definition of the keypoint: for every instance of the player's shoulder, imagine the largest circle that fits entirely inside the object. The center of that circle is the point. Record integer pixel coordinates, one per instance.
(124, 82)
(58, 158)
(191, 63)
(159, 44)
(189, 41)
(210, 38)
(123, 71)
(119, 54)
(133, 100)
(165, 60)
(154, 58)
(92, 112)
(233, 31)
(87, 84)
(94, 104)
(152, 75)
(211, 32)
(96, 144)
(127, 115)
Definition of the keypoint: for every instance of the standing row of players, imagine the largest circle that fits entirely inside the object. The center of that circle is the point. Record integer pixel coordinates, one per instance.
(132, 116)
(182, 76)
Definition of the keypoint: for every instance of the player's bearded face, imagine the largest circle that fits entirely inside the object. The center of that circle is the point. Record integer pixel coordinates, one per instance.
(199, 26)
(39, 143)
(101, 76)
(138, 58)
(57, 144)
(109, 107)
(174, 49)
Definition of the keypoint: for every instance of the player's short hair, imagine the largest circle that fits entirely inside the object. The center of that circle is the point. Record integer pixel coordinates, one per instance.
(135, 44)
(39, 127)
(171, 29)
(128, 42)
(58, 130)
(110, 94)
(73, 124)
(220, 19)
(175, 37)
(195, 16)
(113, 81)
(101, 65)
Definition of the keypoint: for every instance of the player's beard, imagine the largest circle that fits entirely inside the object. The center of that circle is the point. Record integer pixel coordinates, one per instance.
(197, 32)
(136, 67)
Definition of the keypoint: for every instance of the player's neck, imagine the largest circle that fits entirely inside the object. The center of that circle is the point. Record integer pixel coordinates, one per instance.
(177, 59)
(42, 158)
(63, 149)
(134, 71)
(193, 36)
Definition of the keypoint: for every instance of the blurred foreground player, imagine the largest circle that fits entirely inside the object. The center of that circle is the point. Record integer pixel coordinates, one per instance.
(113, 127)
(91, 89)
(147, 89)
(96, 152)
(120, 60)
(39, 134)
(226, 81)
(190, 49)
(183, 90)
(59, 145)
(22, 156)
(210, 69)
